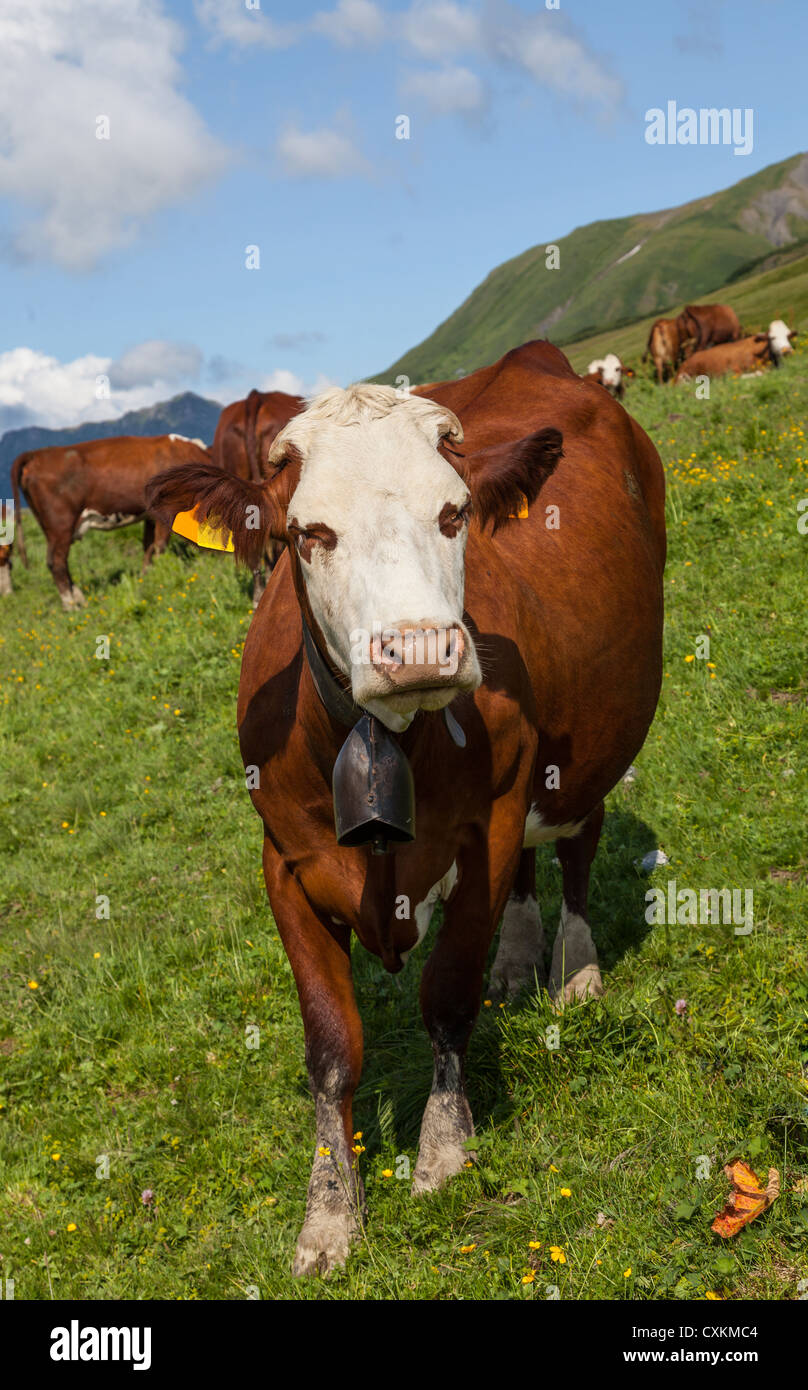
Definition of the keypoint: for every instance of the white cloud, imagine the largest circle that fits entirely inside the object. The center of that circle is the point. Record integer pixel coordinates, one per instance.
(552, 54)
(445, 90)
(156, 360)
(65, 65)
(39, 389)
(319, 153)
(352, 22)
(440, 28)
(282, 380)
(229, 21)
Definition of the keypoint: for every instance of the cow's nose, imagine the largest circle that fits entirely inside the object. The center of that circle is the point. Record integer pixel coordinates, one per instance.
(418, 654)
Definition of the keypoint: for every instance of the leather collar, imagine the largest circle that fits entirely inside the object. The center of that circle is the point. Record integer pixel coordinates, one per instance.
(337, 701)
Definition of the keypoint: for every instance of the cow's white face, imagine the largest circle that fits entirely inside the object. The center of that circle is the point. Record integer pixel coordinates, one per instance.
(379, 520)
(779, 338)
(612, 369)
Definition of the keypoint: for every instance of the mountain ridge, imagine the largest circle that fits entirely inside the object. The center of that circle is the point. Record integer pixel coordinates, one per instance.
(616, 270)
(186, 413)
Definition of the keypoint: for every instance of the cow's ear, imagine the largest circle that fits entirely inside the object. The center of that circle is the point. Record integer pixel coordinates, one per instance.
(792, 332)
(248, 511)
(761, 337)
(506, 476)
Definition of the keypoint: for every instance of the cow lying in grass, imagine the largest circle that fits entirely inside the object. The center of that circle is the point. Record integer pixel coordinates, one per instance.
(747, 355)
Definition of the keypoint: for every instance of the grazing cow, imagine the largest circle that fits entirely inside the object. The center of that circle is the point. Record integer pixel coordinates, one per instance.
(95, 486)
(244, 433)
(747, 355)
(709, 325)
(608, 372)
(667, 343)
(497, 547)
(247, 428)
(5, 571)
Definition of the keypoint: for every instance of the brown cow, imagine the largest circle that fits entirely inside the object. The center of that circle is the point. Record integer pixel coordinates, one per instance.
(747, 355)
(709, 324)
(98, 485)
(405, 586)
(5, 571)
(666, 345)
(247, 428)
(244, 433)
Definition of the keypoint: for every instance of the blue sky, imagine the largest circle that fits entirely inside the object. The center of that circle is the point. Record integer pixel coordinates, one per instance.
(275, 127)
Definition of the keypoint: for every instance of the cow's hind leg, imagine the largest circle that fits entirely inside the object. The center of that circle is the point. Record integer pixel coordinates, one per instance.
(69, 593)
(575, 973)
(319, 954)
(519, 962)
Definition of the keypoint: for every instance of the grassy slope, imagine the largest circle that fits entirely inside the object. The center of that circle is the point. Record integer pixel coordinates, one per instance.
(123, 778)
(686, 251)
(757, 299)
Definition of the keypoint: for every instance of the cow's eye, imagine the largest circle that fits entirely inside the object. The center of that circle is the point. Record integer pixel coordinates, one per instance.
(452, 519)
(307, 537)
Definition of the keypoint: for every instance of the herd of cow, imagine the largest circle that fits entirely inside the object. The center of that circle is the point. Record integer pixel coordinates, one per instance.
(704, 340)
(100, 484)
(454, 662)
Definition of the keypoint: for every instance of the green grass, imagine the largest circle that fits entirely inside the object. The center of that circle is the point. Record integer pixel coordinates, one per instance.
(685, 253)
(122, 778)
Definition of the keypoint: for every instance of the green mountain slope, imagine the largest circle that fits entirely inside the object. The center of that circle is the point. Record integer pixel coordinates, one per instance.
(780, 292)
(614, 272)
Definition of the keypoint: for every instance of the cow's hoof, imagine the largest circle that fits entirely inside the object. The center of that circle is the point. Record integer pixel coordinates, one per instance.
(513, 981)
(73, 599)
(584, 984)
(324, 1243)
(446, 1127)
(519, 963)
(436, 1167)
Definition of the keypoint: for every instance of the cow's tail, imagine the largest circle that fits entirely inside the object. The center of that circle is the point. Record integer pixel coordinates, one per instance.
(16, 477)
(252, 405)
(648, 344)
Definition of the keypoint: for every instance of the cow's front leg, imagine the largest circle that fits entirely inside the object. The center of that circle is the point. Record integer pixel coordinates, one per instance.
(319, 954)
(451, 990)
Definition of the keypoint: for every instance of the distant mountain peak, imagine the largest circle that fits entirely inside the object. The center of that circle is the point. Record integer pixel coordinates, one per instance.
(186, 413)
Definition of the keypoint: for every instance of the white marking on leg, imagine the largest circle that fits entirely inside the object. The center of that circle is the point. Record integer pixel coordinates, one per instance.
(538, 832)
(423, 911)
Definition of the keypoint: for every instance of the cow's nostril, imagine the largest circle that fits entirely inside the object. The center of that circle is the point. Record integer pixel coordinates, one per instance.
(418, 653)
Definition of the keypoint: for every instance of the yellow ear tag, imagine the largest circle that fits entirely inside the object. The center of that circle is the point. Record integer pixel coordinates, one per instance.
(212, 538)
(523, 509)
